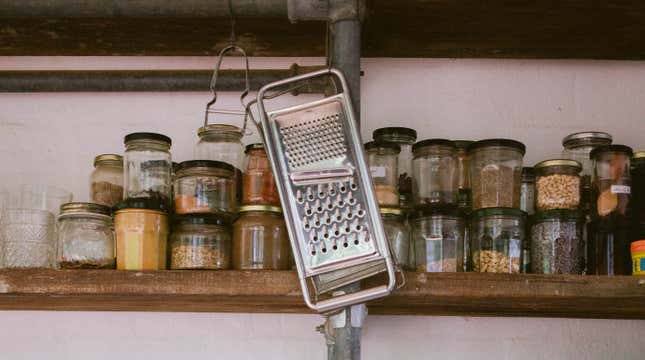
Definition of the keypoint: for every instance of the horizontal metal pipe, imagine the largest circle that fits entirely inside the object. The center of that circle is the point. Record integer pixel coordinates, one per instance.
(147, 80)
(141, 9)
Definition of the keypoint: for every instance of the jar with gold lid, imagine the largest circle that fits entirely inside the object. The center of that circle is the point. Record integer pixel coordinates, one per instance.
(106, 181)
(260, 239)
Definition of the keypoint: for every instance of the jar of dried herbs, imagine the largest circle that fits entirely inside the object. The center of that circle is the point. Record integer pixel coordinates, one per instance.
(397, 234)
(435, 172)
(106, 181)
(557, 246)
(405, 138)
(200, 242)
(205, 186)
(438, 233)
(147, 167)
(382, 158)
(496, 236)
(495, 172)
(557, 184)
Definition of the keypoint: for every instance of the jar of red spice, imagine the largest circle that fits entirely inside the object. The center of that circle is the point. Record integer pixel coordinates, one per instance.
(259, 183)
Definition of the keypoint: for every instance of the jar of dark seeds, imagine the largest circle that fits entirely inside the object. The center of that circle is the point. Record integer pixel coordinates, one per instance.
(556, 242)
(200, 241)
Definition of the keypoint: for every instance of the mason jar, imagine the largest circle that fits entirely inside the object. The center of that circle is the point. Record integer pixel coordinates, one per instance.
(382, 158)
(106, 181)
(463, 174)
(435, 172)
(439, 238)
(200, 242)
(496, 172)
(86, 237)
(205, 186)
(260, 239)
(397, 234)
(405, 138)
(147, 167)
(556, 242)
(557, 184)
(259, 183)
(496, 236)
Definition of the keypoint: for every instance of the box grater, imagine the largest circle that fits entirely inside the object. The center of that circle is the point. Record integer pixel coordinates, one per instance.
(327, 196)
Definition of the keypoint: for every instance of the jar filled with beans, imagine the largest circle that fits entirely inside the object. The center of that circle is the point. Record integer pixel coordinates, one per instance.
(497, 236)
(557, 184)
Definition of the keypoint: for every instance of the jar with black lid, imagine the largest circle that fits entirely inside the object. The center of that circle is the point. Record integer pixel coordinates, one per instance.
(200, 242)
(435, 172)
(405, 138)
(438, 233)
(147, 167)
(382, 159)
(497, 236)
(205, 186)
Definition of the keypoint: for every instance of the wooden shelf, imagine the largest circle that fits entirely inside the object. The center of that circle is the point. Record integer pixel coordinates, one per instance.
(466, 294)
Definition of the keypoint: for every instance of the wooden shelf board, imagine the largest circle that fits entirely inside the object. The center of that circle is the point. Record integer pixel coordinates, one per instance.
(465, 294)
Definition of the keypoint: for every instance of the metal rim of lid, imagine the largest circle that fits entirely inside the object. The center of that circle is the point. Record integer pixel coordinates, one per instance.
(557, 162)
(85, 207)
(595, 135)
(498, 211)
(433, 142)
(509, 143)
(562, 214)
(463, 144)
(147, 136)
(226, 129)
(202, 219)
(108, 157)
(254, 146)
(611, 148)
(269, 208)
(423, 211)
(376, 144)
(213, 164)
(391, 211)
(403, 134)
(639, 155)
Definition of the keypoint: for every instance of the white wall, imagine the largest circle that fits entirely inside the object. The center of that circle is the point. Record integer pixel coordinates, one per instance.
(54, 137)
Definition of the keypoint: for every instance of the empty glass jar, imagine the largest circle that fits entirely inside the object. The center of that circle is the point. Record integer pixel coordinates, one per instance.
(438, 234)
(260, 239)
(106, 181)
(463, 174)
(382, 158)
(405, 138)
(397, 234)
(86, 237)
(496, 237)
(147, 167)
(205, 186)
(27, 238)
(200, 242)
(557, 184)
(259, 183)
(556, 243)
(435, 172)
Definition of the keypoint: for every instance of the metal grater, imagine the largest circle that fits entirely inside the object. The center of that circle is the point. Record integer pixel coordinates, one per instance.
(330, 208)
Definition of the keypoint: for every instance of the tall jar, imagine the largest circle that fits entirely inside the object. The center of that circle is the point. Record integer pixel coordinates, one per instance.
(556, 243)
(259, 182)
(260, 239)
(106, 181)
(397, 234)
(405, 138)
(465, 200)
(221, 142)
(205, 186)
(527, 190)
(496, 172)
(557, 184)
(382, 158)
(86, 237)
(147, 167)
(200, 242)
(439, 236)
(638, 195)
(497, 235)
(435, 172)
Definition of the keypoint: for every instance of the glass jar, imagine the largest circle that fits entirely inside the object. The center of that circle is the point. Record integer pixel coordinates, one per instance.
(205, 186)
(200, 242)
(435, 172)
(557, 184)
(556, 242)
(221, 142)
(527, 191)
(611, 185)
(382, 158)
(405, 138)
(85, 237)
(439, 236)
(397, 234)
(27, 238)
(638, 194)
(141, 227)
(106, 181)
(496, 172)
(259, 183)
(463, 175)
(497, 235)
(578, 147)
(260, 239)
(147, 167)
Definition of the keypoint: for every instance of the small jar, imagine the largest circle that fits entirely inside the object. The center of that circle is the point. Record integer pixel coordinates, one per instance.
(496, 172)
(557, 184)
(405, 138)
(200, 242)
(435, 172)
(556, 242)
(27, 239)
(397, 234)
(205, 186)
(260, 239)
(106, 181)
(611, 180)
(259, 183)
(439, 235)
(527, 191)
(147, 167)
(382, 158)
(221, 142)
(465, 200)
(141, 227)
(85, 237)
(497, 235)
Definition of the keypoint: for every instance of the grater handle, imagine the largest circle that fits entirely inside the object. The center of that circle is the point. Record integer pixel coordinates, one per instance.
(358, 297)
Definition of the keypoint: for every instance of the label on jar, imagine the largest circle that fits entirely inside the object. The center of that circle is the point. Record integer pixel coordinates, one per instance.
(377, 171)
(621, 189)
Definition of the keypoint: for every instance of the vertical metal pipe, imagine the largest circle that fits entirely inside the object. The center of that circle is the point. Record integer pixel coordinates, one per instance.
(345, 51)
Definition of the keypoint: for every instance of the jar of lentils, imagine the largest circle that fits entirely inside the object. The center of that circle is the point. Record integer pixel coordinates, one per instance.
(497, 235)
(556, 242)
(557, 184)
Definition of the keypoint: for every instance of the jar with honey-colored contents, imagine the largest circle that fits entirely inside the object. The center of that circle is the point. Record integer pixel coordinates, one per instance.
(259, 183)
(260, 239)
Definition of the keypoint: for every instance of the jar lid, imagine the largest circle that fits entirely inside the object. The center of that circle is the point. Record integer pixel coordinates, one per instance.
(498, 211)
(581, 137)
(462, 144)
(224, 129)
(611, 148)
(435, 210)
(382, 144)
(84, 207)
(142, 203)
(498, 142)
(391, 211)
(638, 246)
(200, 219)
(433, 142)
(562, 214)
(255, 146)
(528, 173)
(270, 208)
(395, 134)
(108, 157)
(214, 164)
(147, 136)
(559, 162)
(639, 155)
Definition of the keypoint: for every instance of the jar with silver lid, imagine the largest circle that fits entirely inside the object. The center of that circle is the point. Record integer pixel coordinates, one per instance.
(85, 237)
(106, 181)
(147, 167)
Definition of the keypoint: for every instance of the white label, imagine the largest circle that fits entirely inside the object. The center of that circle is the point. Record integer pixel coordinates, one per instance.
(377, 171)
(621, 189)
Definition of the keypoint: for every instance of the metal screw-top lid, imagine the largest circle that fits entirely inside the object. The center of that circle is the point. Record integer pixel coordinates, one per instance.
(270, 208)
(509, 143)
(401, 135)
(611, 148)
(586, 138)
(214, 164)
(83, 207)
(391, 211)
(224, 129)
(147, 136)
(559, 162)
(383, 145)
(255, 146)
(112, 159)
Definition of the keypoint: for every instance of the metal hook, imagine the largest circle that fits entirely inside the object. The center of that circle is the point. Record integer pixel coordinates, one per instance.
(231, 14)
